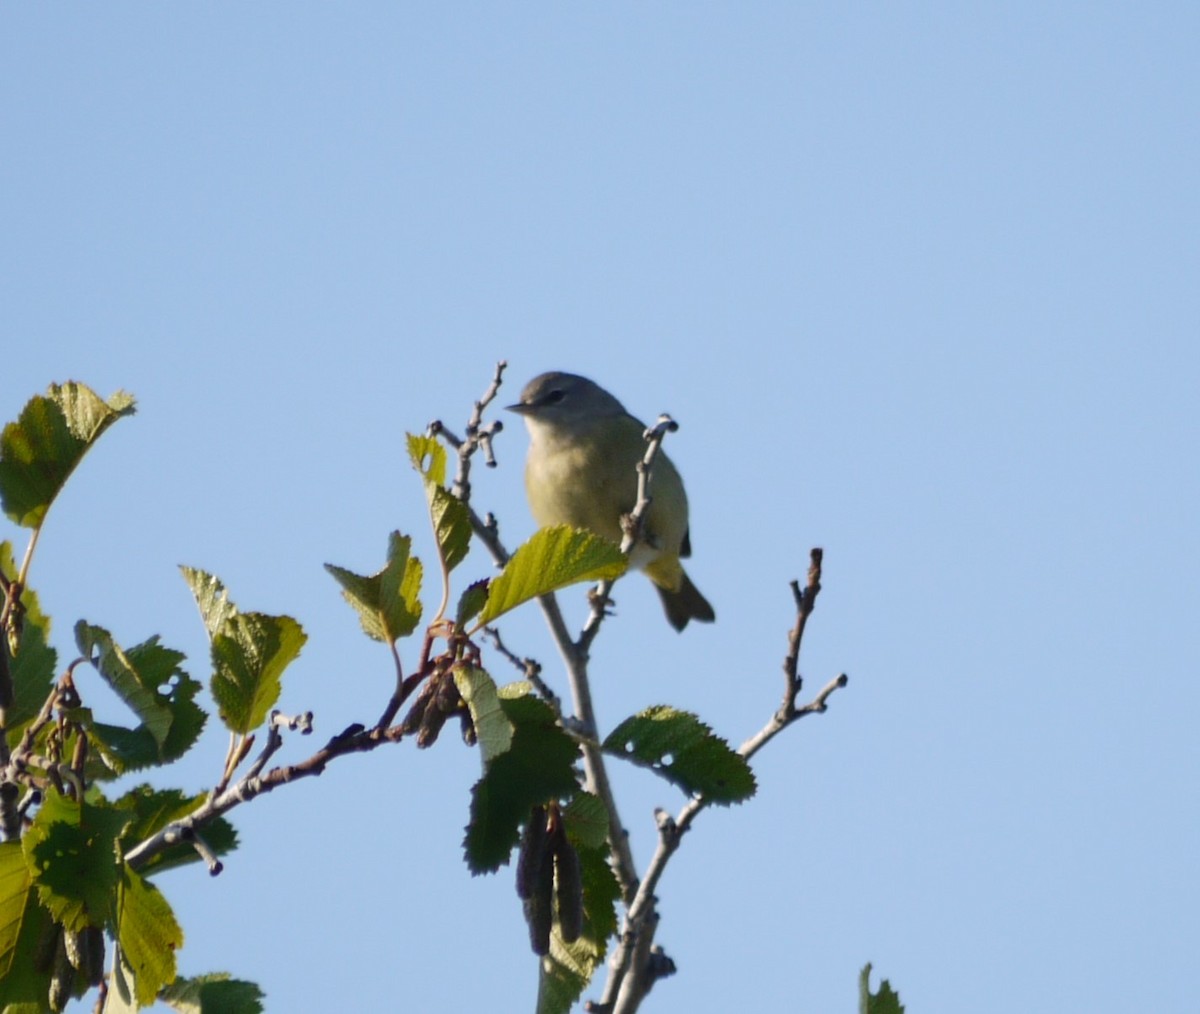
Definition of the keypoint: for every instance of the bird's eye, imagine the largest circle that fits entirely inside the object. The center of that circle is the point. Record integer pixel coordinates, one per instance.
(554, 397)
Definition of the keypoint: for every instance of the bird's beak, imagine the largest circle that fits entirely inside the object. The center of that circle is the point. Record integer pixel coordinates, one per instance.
(520, 408)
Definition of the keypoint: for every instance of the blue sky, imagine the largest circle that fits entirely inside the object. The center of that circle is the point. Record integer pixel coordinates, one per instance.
(919, 281)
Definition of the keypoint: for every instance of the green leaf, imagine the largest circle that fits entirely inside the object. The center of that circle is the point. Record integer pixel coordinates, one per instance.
(600, 895)
(569, 967)
(451, 525)
(686, 752)
(24, 981)
(587, 821)
(471, 601)
(15, 882)
(250, 652)
(147, 677)
(886, 1001)
(41, 449)
(388, 603)
(32, 669)
(72, 849)
(492, 727)
(539, 766)
(451, 519)
(211, 597)
(148, 935)
(137, 689)
(150, 810)
(116, 748)
(215, 993)
(428, 457)
(553, 558)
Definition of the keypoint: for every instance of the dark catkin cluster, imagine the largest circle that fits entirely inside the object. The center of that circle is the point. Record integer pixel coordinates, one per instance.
(548, 872)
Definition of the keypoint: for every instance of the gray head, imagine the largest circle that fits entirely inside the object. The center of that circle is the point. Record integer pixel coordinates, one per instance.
(564, 399)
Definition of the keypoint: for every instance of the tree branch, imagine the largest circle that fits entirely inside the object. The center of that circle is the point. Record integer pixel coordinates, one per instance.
(631, 974)
(355, 739)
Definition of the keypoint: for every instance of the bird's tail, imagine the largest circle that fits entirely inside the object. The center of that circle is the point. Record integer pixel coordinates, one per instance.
(685, 603)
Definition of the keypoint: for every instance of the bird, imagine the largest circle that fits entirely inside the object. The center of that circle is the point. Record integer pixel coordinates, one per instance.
(582, 471)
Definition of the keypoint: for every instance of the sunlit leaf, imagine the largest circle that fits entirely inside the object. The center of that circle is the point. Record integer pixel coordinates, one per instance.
(250, 653)
(41, 449)
(72, 849)
(428, 457)
(15, 882)
(553, 558)
(451, 525)
(492, 726)
(211, 597)
(148, 935)
(388, 603)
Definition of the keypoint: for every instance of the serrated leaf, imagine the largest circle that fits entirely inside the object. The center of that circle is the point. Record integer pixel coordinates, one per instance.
(587, 821)
(492, 726)
(886, 1001)
(15, 882)
(211, 597)
(215, 993)
(400, 586)
(41, 449)
(72, 849)
(451, 525)
(148, 935)
(471, 601)
(553, 558)
(147, 677)
(388, 603)
(451, 519)
(150, 810)
(428, 457)
(32, 669)
(250, 653)
(686, 752)
(23, 982)
(115, 747)
(569, 967)
(539, 766)
(136, 689)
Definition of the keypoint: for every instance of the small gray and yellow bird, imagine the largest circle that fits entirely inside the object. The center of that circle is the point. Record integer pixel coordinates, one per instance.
(582, 471)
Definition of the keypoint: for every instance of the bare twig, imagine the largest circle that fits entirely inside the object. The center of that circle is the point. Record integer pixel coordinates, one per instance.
(478, 436)
(531, 670)
(355, 739)
(630, 976)
(193, 837)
